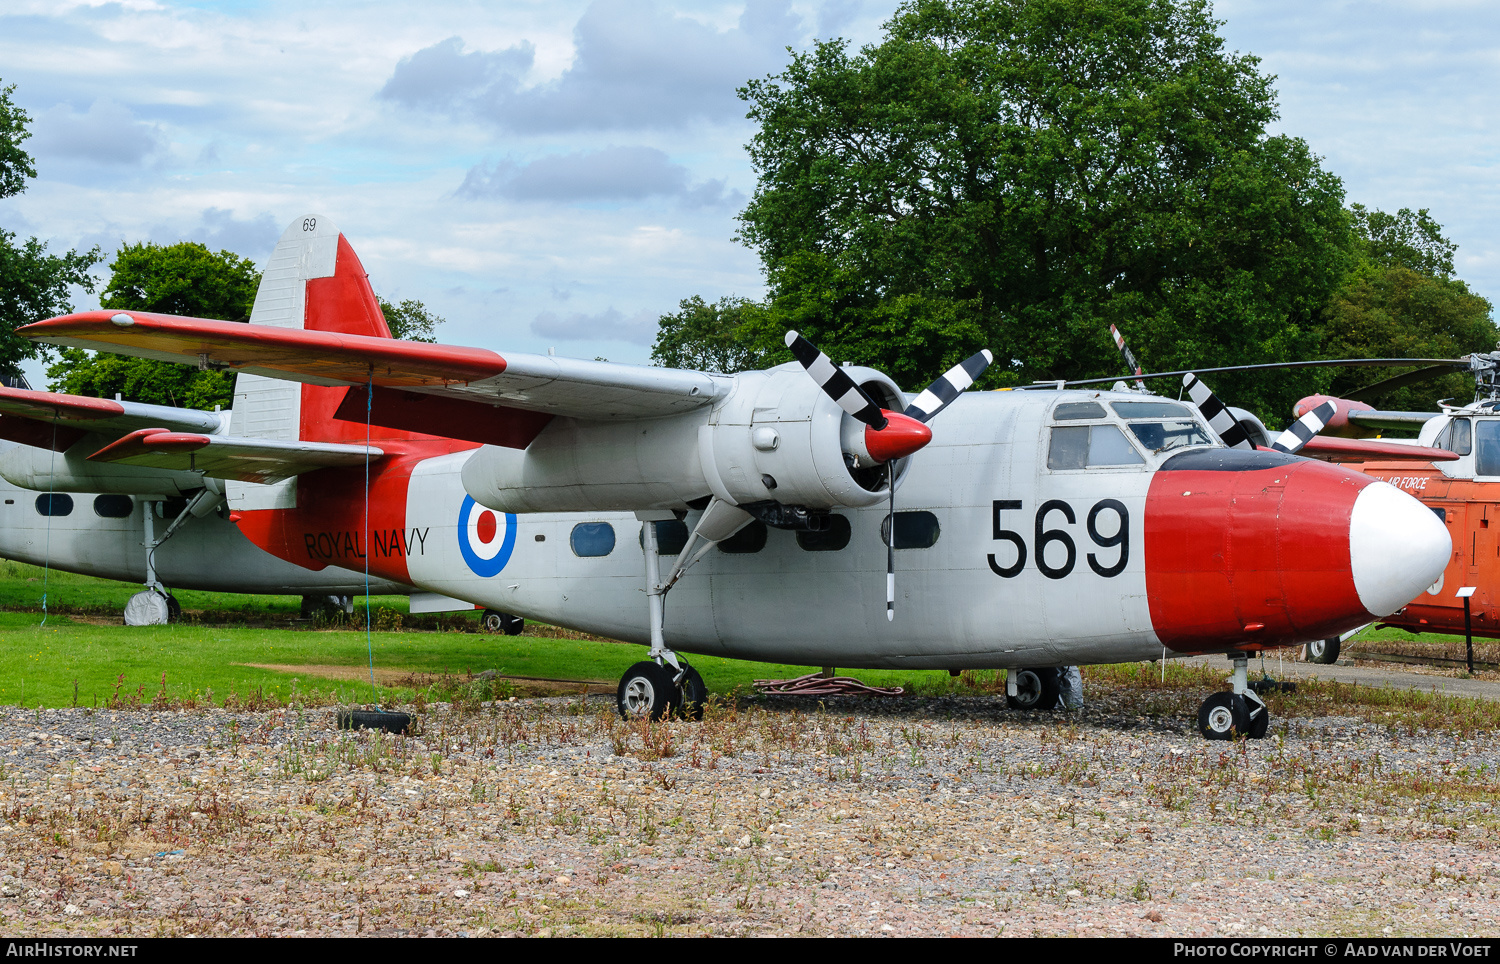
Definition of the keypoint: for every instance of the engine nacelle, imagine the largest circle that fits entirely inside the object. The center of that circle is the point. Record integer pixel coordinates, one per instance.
(775, 437)
(45, 471)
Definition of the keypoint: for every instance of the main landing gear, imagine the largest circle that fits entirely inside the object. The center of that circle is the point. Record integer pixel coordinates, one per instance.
(1032, 689)
(1240, 712)
(656, 691)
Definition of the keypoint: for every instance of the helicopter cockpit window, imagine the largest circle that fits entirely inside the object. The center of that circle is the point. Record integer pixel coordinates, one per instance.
(1068, 411)
(1457, 438)
(1087, 446)
(1487, 447)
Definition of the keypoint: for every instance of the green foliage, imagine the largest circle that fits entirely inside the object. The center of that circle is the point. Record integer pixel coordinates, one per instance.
(15, 163)
(176, 279)
(1018, 174)
(708, 337)
(1402, 301)
(1403, 240)
(33, 284)
(410, 320)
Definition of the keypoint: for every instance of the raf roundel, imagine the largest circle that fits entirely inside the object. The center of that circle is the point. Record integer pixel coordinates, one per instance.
(485, 537)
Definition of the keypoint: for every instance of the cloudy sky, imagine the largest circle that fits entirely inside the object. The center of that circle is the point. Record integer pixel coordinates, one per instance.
(559, 174)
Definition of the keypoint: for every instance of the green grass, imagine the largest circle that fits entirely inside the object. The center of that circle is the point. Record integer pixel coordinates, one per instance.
(39, 664)
(22, 585)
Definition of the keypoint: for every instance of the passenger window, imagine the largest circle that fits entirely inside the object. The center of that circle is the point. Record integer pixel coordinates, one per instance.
(592, 539)
(1084, 446)
(113, 506)
(832, 539)
(54, 504)
(914, 530)
(671, 536)
(752, 538)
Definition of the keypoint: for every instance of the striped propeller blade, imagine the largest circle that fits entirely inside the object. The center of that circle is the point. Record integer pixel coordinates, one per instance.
(953, 383)
(1303, 430)
(1220, 420)
(834, 382)
(1130, 362)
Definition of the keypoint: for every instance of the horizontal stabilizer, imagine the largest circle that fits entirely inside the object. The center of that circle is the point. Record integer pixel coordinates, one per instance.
(536, 383)
(1329, 449)
(242, 459)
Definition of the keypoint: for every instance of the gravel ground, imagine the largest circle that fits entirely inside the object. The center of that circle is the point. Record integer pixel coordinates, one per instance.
(911, 816)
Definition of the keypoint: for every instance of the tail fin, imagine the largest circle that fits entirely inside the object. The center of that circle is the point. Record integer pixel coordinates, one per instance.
(314, 281)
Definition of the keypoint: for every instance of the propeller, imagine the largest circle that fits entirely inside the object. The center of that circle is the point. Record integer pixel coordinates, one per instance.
(1302, 431)
(1228, 428)
(889, 435)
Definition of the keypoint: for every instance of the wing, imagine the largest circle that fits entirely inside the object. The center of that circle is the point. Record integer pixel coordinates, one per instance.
(534, 383)
(56, 421)
(1371, 450)
(243, 459)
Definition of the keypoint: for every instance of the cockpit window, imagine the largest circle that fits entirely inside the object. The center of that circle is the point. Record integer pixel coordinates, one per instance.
(1487, 446)
(1087, 446)
(1067, 411)
(1166, 436)
(1457, 437)
(1152, 409)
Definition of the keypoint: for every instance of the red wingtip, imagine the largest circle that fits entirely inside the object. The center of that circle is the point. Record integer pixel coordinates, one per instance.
(901, 437)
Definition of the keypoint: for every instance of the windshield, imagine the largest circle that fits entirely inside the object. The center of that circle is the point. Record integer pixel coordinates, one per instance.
(1166, 436)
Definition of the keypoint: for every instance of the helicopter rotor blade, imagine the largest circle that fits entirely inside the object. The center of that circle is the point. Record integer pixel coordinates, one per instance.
(1388, 385)
(1461, 364)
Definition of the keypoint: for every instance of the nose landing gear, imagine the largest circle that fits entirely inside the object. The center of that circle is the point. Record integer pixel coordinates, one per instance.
(1241, 712)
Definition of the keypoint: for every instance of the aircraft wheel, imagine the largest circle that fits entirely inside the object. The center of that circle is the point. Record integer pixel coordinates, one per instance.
(1323, 651)
(1223, 716)
(647, 691)
(494, 622)
(174, 609)
(694, 695)
(1260, 723)
(1036, 689)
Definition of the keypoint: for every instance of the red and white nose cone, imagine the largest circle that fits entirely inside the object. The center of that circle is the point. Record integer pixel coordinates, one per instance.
(1256, 549)
(1397, 548)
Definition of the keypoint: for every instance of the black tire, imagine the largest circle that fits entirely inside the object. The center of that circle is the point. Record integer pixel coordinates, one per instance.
(492, 622)
(174, 609)
(647, 691)
(1260, 723)
(374, 720)
(511, 625)
(1036, 689)
(694, 695)
(1223, 716)
(1324, 651)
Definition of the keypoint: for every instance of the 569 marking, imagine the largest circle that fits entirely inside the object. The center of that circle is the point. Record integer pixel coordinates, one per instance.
(1043, 537)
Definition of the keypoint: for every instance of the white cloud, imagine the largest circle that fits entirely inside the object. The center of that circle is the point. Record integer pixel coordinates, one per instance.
(608, 325)
(635, 67)
(107, 133)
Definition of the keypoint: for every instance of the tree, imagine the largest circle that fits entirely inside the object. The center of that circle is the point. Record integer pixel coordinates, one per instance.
(707, 337)
(177, 279)
(33, 284)
(410, 320)
(1402, 301)
(1018, 174)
